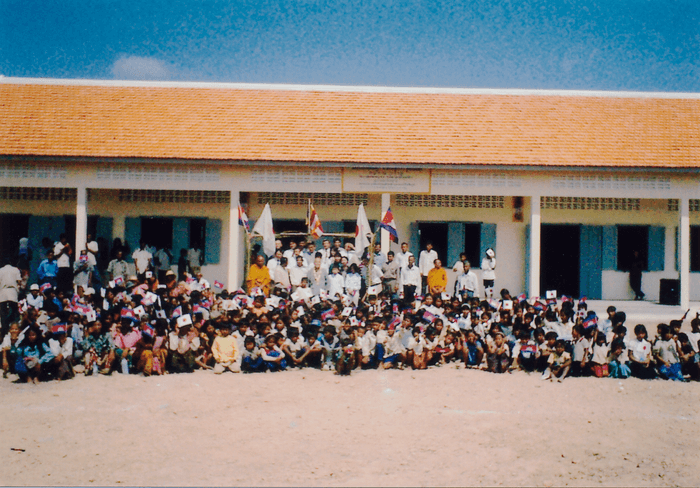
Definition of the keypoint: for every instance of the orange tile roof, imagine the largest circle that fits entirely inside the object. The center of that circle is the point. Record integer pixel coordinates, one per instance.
(349, 127)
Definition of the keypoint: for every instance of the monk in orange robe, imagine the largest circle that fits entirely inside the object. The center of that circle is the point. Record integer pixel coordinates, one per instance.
(259, 276)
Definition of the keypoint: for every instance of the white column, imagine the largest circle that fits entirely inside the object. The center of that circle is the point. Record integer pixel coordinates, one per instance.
(684, 252)
(234, 244)
(81, 221)
(535, 221)
(386, 239)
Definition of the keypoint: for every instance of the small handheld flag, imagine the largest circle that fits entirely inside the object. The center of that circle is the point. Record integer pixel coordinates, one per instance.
(44, 287)
(389, 225)
(328, 314)
(590, 321)
(219, 285)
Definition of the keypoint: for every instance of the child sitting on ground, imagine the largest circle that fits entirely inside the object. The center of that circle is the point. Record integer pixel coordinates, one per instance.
(498, 358)
(689, 365)
(251, 362)
(579, 358)
(665, 352)
(224, 350)
(346, 360)
(272, 355)
(99, 352)
(640, 354)
(618, 367)
(524, 352)
(559, 363)
(599, 359)
(473, 350)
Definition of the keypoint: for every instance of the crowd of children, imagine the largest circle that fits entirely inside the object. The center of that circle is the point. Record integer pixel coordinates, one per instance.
(154, 323)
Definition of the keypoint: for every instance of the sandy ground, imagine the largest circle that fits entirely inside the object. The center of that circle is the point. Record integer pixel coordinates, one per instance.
(442, 426)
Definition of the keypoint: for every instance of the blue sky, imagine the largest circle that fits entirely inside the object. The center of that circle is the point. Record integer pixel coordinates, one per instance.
(601, 45)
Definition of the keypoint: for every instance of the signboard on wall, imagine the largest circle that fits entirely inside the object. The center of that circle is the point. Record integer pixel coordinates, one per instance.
(386, 180)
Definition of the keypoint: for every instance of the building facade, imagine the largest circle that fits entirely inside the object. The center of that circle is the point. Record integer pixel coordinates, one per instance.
(565, 186)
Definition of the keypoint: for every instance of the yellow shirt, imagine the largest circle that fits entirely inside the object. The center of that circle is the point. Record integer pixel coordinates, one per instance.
(224, 349)
(259, 277)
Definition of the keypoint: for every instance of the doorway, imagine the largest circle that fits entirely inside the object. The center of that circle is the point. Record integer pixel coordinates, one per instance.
(560, 259)
(436, 233)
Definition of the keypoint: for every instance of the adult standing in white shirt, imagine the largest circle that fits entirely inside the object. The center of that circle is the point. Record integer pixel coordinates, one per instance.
(142, 259)
(402, 257)
(296, 273)
(426, 262)
(10, 280)
(62, 250)
(467, 282)
(289, 253)
(274, 261)
(410, 279)
(488, 272)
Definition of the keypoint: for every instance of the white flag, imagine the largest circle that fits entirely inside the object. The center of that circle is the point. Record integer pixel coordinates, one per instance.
(363, 232)
(263, 227)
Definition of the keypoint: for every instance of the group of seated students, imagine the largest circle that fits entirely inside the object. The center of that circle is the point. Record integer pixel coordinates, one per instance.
(142, 326)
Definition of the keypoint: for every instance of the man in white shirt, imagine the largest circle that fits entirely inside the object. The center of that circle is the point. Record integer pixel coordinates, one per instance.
(62, 251)
(10, 280)
(274, 261)
(163, 258)
(467, 282)
(142, 259)
(402, 257)
(427, 262)
(194, 259)
(410, 279)
(326, 253)
(379, 256)
(289, 253)
(296, 273)
(352, 256)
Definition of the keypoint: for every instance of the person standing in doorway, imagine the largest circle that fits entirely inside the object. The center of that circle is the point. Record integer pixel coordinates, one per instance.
(636, 276)
(488, 272)
(62, 251)
(426, 261)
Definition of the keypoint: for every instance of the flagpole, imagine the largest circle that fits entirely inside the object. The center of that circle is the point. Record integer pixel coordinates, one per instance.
(308, 220)
(370, 265)
(246, 261)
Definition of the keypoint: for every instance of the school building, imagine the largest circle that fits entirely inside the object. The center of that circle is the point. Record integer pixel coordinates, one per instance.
(564, 185)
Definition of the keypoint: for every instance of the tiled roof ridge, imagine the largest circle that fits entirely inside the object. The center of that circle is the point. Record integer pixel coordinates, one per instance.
(346, 88)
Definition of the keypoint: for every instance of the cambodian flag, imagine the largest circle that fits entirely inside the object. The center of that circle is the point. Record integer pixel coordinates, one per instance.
(177, 312)
(119, 280)
(218, 285)
(522, 297)
(81, 309)
(328, 314)
(582, 299)
(590, 321)
(395, 322)
(430, 317)
(243, 218)
(128, 313)
(44, 287)
(389, 225)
